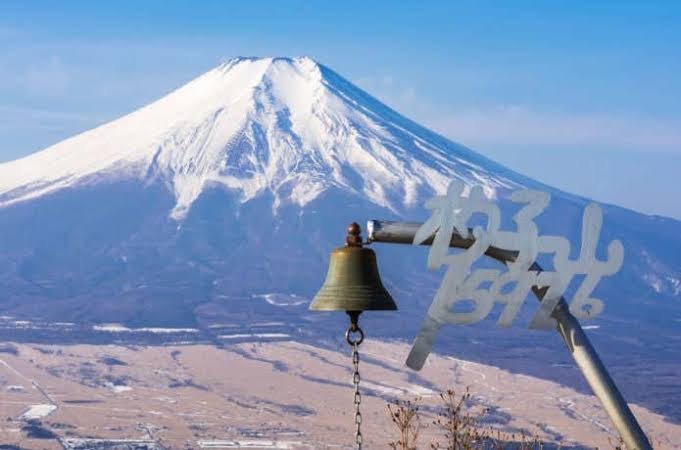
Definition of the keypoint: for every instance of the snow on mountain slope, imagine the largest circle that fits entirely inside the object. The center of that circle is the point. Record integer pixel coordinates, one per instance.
(290, 126)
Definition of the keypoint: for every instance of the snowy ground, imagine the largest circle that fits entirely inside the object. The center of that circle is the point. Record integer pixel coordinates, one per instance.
(38, 412)
(276, 395)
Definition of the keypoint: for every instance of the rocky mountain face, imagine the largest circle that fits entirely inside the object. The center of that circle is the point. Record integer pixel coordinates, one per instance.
(219, 203)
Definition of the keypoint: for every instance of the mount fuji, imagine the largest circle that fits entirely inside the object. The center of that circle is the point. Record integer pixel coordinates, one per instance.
(216, 206)
(290, 128)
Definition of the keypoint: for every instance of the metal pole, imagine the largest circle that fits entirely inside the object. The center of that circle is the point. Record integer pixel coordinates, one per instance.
(568, 327)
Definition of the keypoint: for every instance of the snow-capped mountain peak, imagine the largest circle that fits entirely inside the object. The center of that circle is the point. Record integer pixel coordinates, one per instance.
(289, 126)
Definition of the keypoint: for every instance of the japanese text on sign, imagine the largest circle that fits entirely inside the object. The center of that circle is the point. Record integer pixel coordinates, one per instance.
(451, 214)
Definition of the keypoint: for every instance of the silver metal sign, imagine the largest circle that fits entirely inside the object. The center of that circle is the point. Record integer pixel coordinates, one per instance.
(482, 288)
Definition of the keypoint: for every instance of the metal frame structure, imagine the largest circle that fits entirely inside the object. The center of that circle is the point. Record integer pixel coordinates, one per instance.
(568, 327)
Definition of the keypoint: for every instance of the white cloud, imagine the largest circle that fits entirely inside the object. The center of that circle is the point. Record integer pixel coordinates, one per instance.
(50, 78)
(7, 32)
(387, 86)
(516, 125)
(12, 117)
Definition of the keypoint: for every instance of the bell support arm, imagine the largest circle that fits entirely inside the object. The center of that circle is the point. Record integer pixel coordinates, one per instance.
(567, 326)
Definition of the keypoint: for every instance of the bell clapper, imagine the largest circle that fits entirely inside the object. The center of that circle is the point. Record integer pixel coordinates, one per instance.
(354, 342)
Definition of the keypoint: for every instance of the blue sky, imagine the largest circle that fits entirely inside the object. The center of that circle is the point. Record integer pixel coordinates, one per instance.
(583, 96)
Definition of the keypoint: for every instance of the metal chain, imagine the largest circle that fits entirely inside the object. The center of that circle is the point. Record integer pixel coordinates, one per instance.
(358, 396)
(356, 379)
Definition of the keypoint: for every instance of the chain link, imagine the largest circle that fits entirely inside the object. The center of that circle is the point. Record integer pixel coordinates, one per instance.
(355, 380)
(358, 396)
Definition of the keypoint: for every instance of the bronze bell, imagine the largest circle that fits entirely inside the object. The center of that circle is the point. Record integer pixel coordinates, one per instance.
(352, 282)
